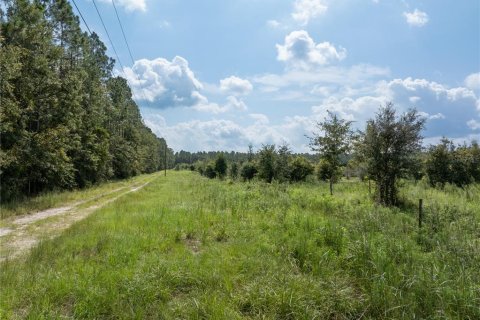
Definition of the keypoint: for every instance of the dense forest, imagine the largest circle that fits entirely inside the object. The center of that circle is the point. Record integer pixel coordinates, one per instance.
(66, 119)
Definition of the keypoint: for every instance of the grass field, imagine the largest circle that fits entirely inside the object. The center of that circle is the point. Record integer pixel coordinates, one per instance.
(186, 247)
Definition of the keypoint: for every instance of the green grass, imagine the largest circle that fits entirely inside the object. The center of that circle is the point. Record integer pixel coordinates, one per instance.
(52, 199)
(185, 247)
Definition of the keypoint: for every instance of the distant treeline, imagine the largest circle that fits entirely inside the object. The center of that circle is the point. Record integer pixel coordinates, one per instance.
(389, 149)
(185, 157)
(66, 121)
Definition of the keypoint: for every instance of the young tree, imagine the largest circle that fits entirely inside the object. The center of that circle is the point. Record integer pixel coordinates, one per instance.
(389, 145)
(282, 169)
(439, 163)
(234, 171)
(266, 163)
(250, 154)
(221, 166)
(332, 142)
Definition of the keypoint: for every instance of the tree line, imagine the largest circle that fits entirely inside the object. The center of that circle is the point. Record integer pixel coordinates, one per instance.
(389, 149)
(182, 157)
(66, 120)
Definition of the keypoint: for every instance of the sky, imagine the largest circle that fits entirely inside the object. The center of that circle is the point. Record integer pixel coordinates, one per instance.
(219, 75)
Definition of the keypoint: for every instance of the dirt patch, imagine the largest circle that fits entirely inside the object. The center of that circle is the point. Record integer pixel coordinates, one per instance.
(26, 231)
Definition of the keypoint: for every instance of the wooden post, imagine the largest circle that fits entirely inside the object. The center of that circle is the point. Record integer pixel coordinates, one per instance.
(369, 187)
(165, 160)
(420, 212)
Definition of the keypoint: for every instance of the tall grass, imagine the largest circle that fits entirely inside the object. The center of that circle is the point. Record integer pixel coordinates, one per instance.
(190, 248)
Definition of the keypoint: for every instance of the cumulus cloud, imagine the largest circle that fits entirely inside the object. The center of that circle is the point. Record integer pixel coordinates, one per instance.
(353, 109)
(473, 81)
(130, 5)
(222, 134)
(164, 84)
(300, 51)
(416, 18)
(447, 109)
(305, 10)
(235, 85)
(450, 112)
(235, 104)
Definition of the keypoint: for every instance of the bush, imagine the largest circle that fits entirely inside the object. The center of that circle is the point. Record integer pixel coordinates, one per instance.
(210, 171)
(325, 172)
(300, 168)
(248, 171)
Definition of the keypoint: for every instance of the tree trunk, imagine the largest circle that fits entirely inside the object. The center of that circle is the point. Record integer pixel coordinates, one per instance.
(331, 186)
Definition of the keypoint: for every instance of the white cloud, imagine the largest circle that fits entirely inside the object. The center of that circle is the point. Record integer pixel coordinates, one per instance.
(353, 109)
(236, 104)
(414, 99)
(274, 24)
(163, 84)
(473, 124)
(447, 109)
(336, 75)
(473, 81)
(416, 18)
(130, 5)
(428, 116)
(210, 107)
(436, 116)
(299, 51)
(259, 118)
(221, 134)
(305, 10)
(434, 89)
(235, 85)
(232, 104)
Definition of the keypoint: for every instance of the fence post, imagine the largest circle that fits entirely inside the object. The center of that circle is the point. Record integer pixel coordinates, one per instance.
(420, 212)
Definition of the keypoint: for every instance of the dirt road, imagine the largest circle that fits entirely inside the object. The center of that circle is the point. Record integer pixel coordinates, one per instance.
(20, 234)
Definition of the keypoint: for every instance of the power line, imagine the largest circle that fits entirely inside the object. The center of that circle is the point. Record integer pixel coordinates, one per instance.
(113, 47)
(129, 51)
(108, 35)
(81, 16)
(123, 33)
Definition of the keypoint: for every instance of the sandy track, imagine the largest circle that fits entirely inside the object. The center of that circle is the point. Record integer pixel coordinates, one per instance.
(26, 231)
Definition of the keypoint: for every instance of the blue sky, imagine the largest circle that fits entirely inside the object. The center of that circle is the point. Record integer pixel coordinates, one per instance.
(218, 75)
